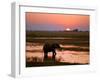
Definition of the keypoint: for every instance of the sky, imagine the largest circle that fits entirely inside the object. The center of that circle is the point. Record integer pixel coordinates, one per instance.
(56, 22)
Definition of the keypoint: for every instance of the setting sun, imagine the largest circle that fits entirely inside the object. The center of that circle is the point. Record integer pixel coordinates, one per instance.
(68, 29)
(56, 22)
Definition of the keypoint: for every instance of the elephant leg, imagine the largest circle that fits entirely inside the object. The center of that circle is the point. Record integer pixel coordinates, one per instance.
(45, 56)
(54, 54)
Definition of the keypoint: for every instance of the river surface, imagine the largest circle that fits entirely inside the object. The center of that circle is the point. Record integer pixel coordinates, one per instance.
(35, 50)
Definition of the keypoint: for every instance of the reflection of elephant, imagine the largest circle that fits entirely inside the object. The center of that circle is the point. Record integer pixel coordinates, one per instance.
(50, 47)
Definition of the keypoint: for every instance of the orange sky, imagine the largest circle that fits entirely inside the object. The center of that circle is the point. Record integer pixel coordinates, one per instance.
(64, 20)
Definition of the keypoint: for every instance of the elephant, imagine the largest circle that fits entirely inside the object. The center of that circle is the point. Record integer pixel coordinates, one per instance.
(50, 47)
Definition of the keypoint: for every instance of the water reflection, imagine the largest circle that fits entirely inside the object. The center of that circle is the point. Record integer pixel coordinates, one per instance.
(34, 53)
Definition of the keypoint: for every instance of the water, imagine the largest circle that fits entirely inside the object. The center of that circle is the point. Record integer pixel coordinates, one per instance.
(35, 50)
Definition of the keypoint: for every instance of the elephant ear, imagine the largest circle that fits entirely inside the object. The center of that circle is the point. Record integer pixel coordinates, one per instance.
(56, 45)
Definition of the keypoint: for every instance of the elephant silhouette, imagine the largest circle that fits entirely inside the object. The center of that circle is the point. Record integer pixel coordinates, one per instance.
(50, 47)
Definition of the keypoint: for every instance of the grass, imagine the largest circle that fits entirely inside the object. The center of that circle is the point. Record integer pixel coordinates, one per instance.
(50, 62)
(57, 34)
(72, 38)
(39, 64)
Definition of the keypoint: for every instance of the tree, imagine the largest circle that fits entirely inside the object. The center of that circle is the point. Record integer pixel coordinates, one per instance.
(75, 30)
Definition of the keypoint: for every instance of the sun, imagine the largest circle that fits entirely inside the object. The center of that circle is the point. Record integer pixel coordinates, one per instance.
(68, 29)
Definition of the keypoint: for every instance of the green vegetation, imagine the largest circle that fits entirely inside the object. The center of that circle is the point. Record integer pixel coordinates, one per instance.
(50, 62)
(57, 34)
(70, 38)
